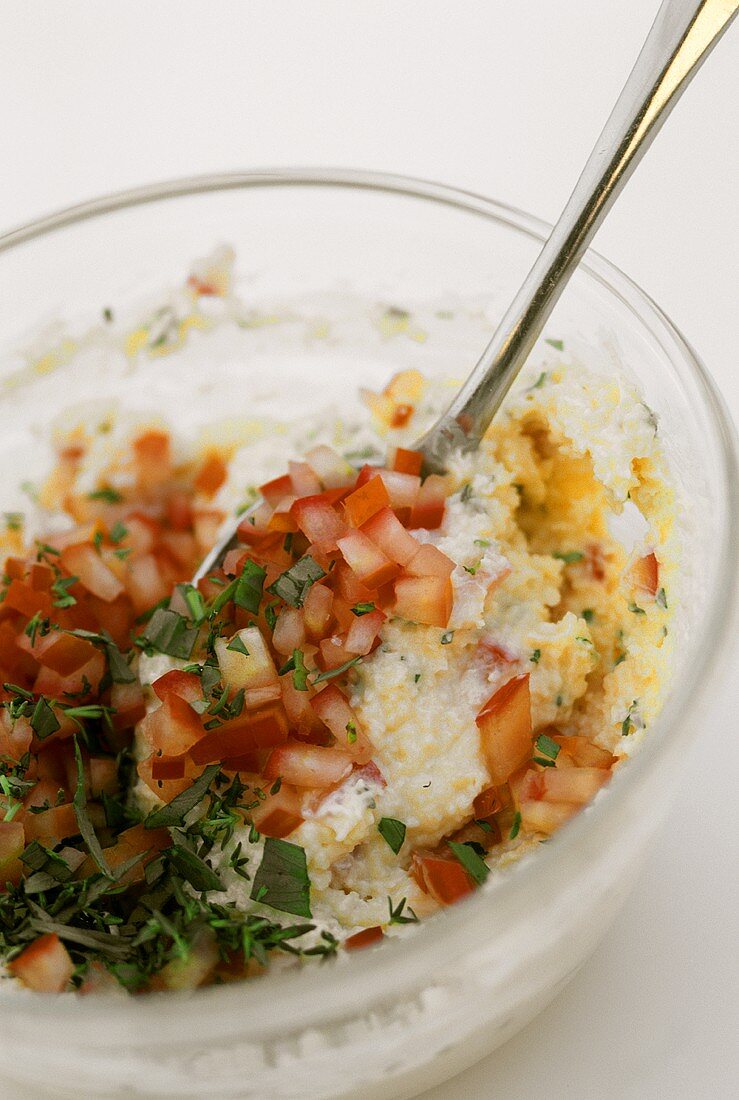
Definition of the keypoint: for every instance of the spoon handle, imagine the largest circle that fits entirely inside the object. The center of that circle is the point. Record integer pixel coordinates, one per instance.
(681, 37)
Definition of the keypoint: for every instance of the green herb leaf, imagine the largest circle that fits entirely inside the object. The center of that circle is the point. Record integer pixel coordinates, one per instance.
(393, 831)
(636, 610)
(167, 632)
(569, 557)
(83, 821)
(547, 747)
(362, 608)
(282, 879)
(120, 671)
(661, 599)
(292, 586)
(198, 873)
(332, 673)
(559, 345)
(535, 656)
(249, 586)
(107, 495)
(43, 720)
(300, 672)
(587, 614)
(236, 645)
(60, 588)
(474, 865)
(516, 826)
(399, 914)
(174, 813)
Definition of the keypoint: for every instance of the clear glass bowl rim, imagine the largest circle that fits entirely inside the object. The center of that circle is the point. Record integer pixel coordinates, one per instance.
(299, 999)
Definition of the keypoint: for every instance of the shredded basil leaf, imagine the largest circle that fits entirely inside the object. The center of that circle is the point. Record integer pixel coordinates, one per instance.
(474, 864)
(292, 585)
(175, 811)
(392, 831)
(282, 879)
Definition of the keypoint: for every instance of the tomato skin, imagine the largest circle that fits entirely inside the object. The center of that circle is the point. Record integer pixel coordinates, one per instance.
(173, 728)
(186, 685)
(505, 729)
(644, 575)
(366, 560)
(211, 475)
(430, 507)
(364, 632)
(279, 814)
(429, 561)
(308, 765)
(445, 880)
(44, 966)
(362, 504)
(319, 521)
(262, 729)
(425, 600)
(366, 938)
(390, 536)
(407, 462)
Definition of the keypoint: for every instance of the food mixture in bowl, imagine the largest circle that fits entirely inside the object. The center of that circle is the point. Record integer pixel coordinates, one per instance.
(394, 687)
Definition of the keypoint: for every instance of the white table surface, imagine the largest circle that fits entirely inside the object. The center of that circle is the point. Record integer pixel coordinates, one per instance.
(505, 99)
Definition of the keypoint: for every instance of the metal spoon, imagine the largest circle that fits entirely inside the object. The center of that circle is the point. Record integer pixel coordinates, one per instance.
(680, 39)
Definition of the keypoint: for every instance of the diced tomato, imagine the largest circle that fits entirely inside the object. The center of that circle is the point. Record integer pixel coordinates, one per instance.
(445, 880)
(349, 587)
(21, 597)
(595, 561)
(366, 501)
(206, 528)
(45, 966)
(332, 707)
(545, 817)
(363, 632)
(366, 560)
(12, 844)
(319, 521)
(173, 728)
(307, 765)
(62, 653)
(317, 611)
(146, 584)
(390, 536)
(211, 475)
(429, 508)
(645, 575)
(41, 576)
(252, 669)
(365, 938)
(487, 803)
(179, 511)
(407, 462)
(584, 752)
(52, 826)
(136, 841)
(370, 773)
(505, 729)
(277, 489)
(152, 460)
(279, 814)
(83, 561)
(103, 776)
(429, 561)
(15, 736)
(127, 701)
(97, 980)
(53, 684)
(116, 617)
(425, 600)
(182, 547)
(255, 730)
(577, 785)
(166, 789)
(303, 479)
(403, 489)
(333, 470)
(289, 632)
(167, 767)
(333, 652)
(185, 684)
(197, 967)
(282, 520)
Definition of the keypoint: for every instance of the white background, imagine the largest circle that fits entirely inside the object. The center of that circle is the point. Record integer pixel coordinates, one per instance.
(504, 98)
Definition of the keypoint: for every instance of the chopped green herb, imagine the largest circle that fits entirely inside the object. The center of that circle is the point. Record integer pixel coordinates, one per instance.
(282, 879)
(398, 913)
(14, 520)
(236, 645)
(351, 732)
(86, 828)
(569, 557)
(559, 345)
(331, 673)
(417, 677)
(249, 586)
(473, 863)
(392, 831)
(535, 656)
(515, 826)
(43, 720)
(661, 599)
(107, 495)
(547, 747)
(466, 493)
(636, 610)
(167, 632)
(292, 585)
(175, 812)
(300, 672)
(195, 870)
(60, 588)
(270, 615)
(447, 637)
(540, 381)
(363, 608)
(587, 614)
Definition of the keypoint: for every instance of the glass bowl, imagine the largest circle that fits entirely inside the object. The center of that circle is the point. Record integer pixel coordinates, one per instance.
(331, 250)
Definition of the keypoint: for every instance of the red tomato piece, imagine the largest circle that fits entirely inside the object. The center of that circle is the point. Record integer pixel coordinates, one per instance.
(428, 510)
(645, 575)
(425, 600)
(52, 826)
(430, 562)
(505, 729)
(277, 489)
(445, 880)
(21, 597)
(363, 633)
(211, 475)
(365, 938)
(366, 501)
(332, 707)
(279, 814)
(173, 728)
(44, 966)
(366, 560)
(261, 729)
(186, 685)
(307, 765)
(317, 611)
(12, 844)
(83, 561)
(303, 479)
(289, 631)
(390, 536)
(407, 462)
(127, 701)
(319, 521)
